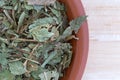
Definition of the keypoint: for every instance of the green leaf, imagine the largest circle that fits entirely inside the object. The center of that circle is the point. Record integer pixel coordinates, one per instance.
(21, 19)
(14, 2)
(2, 3)
(4, 40)
(46, 20)
(19, 78)
(51, 56)
(67, 56)
(41, 34)
(76, 23)
(74, 26)
(57, 58)
(7, 24)
(3, 54)
(59, 6)
(16, 7)
(17, 68)
(29, 7)
(42, 21)
(67, 32)
(49, 75)
(56, 12)
(3, 59)
(38, 8)
(35, 74)
(6, 75)
(8, 7)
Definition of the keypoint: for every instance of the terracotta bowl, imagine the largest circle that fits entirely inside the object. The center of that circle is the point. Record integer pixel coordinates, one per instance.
(80, 47)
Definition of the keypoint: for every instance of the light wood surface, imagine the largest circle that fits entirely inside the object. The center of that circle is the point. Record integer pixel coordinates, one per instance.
(104, 28)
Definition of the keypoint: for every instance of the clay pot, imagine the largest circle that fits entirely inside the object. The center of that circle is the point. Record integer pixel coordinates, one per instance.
(80, 47)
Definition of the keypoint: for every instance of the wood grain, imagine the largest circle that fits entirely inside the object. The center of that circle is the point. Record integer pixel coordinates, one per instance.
(104, 28)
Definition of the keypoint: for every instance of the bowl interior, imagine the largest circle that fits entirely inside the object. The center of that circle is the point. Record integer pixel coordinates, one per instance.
(80, 47)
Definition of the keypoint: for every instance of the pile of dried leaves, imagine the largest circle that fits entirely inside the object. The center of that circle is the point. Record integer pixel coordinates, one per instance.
(34, 40)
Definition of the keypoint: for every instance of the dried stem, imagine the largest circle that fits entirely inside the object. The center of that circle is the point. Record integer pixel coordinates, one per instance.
(15, 60)
(22, 51)
(71, 37)
(33, 50)
(8, 16)
(23, 28)
(27, 59)
(24, 40)
(30, 56)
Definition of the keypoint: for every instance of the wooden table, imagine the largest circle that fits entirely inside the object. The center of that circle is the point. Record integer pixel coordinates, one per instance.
(104, 28)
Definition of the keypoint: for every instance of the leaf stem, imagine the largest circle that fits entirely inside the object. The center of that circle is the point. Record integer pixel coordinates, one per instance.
(8, 16)
(30, 60)
(23, 40)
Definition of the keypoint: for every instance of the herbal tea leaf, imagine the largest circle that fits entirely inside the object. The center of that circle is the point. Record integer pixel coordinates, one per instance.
(42, 21)
(2, 3)
(38, 7)
(29, 7)
(76, 23)
(74, 26)
(3, 60)
(57, 13)
(41, 34)
(59, 6)
(49, 75)
(17, 68)
(51, 56)
(67, 32)
(35, 74)
(14, 2)
(6, 75)
(19, 78)
(21, 20)
(8, 7)
(4, 40)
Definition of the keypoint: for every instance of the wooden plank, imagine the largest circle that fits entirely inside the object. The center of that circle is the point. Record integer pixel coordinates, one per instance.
(104, 27)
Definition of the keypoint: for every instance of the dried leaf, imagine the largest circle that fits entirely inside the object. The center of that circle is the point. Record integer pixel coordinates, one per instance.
(3, 60)
(19, 78)
(17, 68)
(29, 7)
(38, 8)
(41, 35)
(42, 21)
(49, 75)
(74, 26)
(21, 20)
(76, 23)
(6, 75)
(8, 7)
(57, 13)
(35, 74)
(59, 6)
(2, 3)
(51, 56)
(4, 40)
